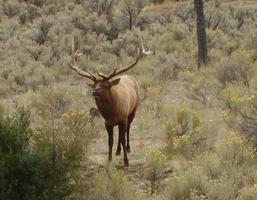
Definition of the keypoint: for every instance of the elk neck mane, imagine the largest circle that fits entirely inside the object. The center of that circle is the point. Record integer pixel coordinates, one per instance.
(107, 104)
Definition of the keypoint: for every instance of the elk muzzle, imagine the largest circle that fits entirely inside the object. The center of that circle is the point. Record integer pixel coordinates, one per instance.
(96, 93)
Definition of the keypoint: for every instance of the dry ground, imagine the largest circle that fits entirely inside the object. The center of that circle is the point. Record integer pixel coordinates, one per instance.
(140, 143)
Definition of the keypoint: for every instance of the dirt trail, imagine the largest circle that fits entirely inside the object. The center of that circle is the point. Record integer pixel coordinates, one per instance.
(139, 142)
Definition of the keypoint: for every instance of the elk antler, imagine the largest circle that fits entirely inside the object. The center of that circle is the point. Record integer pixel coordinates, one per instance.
(73, 64)
(140, 53)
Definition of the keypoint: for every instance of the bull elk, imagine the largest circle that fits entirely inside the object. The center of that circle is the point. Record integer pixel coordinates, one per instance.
(116, 98)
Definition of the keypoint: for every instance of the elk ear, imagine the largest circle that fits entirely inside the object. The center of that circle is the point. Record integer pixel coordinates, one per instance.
(115, 82)
(91, 85)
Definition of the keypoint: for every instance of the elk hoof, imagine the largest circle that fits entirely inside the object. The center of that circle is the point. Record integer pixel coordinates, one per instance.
(128, 149)
(117, 152)
(109, 158)
(126, 162)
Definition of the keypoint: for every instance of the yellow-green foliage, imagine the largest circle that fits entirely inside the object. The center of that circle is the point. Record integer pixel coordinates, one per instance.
(242, 102)
(110, 184)
(64, 143)
(184, 183)
(235, 151)
(185, 127)
(185, 122)
(248, 193)
(53, 100)
(154, 163)
(237, 68)
(155, 160)
(235, 97)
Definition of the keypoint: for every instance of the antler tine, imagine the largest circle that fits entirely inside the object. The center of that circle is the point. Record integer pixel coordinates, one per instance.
(115, 72)
(140, 51)
(102, 75)
(107, 76)
(112, 74)
(93, 76)
(73, 64)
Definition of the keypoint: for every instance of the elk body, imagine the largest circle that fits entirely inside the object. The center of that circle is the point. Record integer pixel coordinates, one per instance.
(116, 98)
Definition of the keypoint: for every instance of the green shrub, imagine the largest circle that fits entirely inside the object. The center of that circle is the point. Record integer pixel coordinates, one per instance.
(154, 164)
(235, 151)
(184, 183)
(242, 106)
(212, 165)
(192, 145)
(238, 68)
(38, 3)
(11, 8)
(53, 100)
(221, 189)
(179, 133)
(251, 37)
(42, 164)
(23, 174)
(248, 193)
(235, 97)
(110, 185)
(64, 144)
(186, 121)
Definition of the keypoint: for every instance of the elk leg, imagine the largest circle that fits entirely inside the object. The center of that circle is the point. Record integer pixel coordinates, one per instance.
(130, 119)
(122, 132)
(110, 140)
(128, 146)
(118, 147)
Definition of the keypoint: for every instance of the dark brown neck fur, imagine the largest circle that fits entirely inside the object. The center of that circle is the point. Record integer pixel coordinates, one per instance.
(106, 106)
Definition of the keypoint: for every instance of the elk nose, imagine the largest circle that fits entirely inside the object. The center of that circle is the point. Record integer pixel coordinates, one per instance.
(96, 93)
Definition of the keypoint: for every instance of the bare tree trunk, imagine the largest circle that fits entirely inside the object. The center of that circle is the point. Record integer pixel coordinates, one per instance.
(201, 34)
(130, 21)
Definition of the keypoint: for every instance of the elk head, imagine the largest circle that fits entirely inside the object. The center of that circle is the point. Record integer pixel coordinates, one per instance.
(102, 86)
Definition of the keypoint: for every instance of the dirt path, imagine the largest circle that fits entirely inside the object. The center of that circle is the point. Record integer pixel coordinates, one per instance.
(139, 142)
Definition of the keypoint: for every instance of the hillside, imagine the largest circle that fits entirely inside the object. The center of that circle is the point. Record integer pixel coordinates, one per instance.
(194, 134)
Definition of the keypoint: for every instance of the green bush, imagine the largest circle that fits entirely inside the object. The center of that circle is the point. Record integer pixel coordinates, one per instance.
(235, 151)
(248, 193)
(237, 68)
(243, 115)
(186, 121)
(154, 164)
(235, 97)
(110, 185)
(64, 143)
(11, 8)
(38, 165)
(23, 172)
(186, 183)
(53, 100)
(221, 189)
